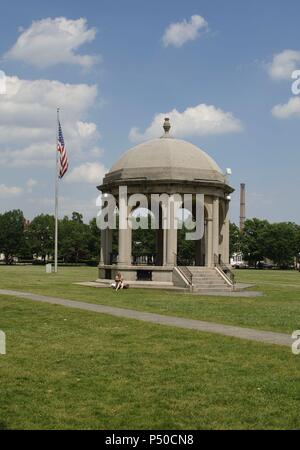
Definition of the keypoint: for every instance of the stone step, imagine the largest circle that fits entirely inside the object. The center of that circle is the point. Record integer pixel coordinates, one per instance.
(202, 275)
(214, 289)
(210, 286)
(206, 277)
(208, 280)
(203, 271)
(212, 292)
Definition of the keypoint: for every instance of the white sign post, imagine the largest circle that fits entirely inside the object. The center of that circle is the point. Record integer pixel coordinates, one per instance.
(2, 343)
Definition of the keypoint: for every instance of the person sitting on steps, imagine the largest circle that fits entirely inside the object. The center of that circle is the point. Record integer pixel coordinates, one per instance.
(119, 280)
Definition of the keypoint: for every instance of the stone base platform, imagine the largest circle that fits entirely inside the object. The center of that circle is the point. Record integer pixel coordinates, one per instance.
(132, 273)
(239, 291)
(104, 283)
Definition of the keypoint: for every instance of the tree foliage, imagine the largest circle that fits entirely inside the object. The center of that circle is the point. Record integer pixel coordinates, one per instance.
(12, 225)
(234, 239)
(40, 235)
(73, 238)
(253, 240)
(279, 242)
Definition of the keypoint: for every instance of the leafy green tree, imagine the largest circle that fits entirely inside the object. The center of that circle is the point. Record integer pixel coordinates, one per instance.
(12, 224)
(25, 250)
(94, 239)
(73, 239)
(281, 243)
(77, 217)
(40, 235)
(186, 249)
(234, 239)
(253, 244)
(143, 240)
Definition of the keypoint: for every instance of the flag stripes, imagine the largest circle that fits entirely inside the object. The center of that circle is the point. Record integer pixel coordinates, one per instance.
(63, 158)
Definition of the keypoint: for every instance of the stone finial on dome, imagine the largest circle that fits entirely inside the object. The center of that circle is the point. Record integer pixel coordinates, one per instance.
(167, 126)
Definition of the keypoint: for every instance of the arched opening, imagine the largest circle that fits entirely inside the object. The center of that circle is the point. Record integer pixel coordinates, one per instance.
(143, 238)
(190, 252)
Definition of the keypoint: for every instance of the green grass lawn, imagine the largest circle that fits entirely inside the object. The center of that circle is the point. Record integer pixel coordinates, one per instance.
(277, 310)
(75, 369)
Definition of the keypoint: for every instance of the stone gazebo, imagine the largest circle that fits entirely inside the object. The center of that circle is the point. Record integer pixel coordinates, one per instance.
(169, 165)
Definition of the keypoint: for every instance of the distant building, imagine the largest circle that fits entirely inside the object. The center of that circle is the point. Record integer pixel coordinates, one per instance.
(237, 261)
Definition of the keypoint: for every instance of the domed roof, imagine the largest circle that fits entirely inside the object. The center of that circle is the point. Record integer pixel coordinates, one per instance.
(165, 158)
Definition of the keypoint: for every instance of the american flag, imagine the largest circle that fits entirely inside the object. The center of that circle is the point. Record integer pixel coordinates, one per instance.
(63, 158)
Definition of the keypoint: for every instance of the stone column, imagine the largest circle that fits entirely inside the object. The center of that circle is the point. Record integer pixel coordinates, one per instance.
(164, 233)
(171, 246)
(209, 243)
(171, 236)
(198, 242)
(216, 229)
(125, 246)
(226, 255)
(103, 247)
(108, 245)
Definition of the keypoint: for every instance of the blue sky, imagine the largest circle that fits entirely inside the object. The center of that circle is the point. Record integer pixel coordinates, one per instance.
(237, 63)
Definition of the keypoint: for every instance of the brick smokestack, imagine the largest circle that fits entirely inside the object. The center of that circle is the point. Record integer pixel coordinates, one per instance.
(242, 206)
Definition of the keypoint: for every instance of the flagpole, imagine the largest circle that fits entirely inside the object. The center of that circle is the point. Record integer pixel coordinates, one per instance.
(56, 201)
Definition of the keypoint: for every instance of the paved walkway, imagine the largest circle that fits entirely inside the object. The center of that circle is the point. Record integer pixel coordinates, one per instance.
(267, 337)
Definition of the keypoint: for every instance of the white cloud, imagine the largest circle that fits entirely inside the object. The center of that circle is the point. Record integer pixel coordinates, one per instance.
(284, 64)
(9, 191)
(48, 42)
(87, 173)
(179, 33)
(96, 152)
(87, 130)
(199, 120)
(289, 109)
(28, 121)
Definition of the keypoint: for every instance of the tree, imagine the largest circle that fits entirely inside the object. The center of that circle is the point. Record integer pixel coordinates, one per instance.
(186, 249)
(41, 235)
(281, 243)
(12, 225)
(234, 239)
(73, 239)
(253, 236)
(77, 217)
(94, 239)
(143, 240)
